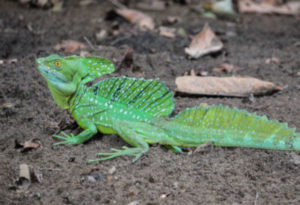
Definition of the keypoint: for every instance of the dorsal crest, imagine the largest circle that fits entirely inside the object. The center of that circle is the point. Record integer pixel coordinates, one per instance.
(150, 96)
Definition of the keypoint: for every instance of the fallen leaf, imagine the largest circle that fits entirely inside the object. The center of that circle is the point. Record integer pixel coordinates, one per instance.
(70, 46)
(268, 7)
(24, 172)
(57, 6)
(224, 86)
(144, 21)
(28, 145)
(227, 68)
(84, 54)
(167, 32)
(220, 7)
(154, 5)
(203, 43)
(31, 144)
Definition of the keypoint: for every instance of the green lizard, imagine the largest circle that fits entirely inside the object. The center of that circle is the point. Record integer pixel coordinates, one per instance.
(138, 110)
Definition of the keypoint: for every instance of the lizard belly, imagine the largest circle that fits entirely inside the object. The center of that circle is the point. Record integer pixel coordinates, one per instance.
(106, 130)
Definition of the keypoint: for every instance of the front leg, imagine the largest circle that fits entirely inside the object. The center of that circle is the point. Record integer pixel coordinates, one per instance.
(90, 131)
(128, 132)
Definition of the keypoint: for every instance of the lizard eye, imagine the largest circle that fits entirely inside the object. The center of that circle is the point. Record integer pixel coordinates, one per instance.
(57, 63)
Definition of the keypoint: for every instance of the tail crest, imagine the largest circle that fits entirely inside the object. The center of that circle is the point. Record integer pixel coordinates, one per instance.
(234, 127)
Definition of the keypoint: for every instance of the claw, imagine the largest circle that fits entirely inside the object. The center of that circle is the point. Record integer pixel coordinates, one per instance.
(136, 152)
(59, 137)
(67, 139)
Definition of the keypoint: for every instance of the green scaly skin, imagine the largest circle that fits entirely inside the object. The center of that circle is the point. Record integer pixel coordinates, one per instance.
(138, 111)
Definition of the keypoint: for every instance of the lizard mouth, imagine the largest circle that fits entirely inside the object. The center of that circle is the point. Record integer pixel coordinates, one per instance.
(51, 75)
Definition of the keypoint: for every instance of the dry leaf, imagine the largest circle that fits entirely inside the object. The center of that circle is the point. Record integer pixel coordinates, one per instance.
(24, 172)
(28, 145)
(31, 144)
(267, 7)
(224, 86)
(144, 21)
(84, 54)
(153, 5)
(167, 32)
(203, 43)
(220, 7)
(57, 6)
(227, 68)
(70, 46)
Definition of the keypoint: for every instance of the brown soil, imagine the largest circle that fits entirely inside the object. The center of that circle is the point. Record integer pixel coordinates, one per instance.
(215, 176)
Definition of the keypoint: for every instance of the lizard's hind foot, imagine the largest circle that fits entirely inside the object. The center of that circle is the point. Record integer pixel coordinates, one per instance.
(137, 152)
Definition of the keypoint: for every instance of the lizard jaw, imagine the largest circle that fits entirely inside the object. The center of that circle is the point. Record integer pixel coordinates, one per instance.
(51, 75)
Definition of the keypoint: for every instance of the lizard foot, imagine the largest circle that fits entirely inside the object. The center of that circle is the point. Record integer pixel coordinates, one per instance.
(137, 152)
(68, 139)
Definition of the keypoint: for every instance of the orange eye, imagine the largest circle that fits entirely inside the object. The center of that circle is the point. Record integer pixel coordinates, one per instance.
(57, 63)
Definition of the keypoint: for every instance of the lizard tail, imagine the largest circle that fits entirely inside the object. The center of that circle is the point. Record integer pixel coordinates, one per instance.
(230, 127)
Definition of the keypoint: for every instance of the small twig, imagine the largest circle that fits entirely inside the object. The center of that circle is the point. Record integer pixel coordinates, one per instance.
(89, 43)
(50, 169)
(118, 39)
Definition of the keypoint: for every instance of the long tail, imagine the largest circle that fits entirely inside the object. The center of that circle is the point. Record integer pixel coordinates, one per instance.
(230, 127)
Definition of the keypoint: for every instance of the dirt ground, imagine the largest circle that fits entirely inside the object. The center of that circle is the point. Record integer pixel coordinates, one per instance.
(215, 176)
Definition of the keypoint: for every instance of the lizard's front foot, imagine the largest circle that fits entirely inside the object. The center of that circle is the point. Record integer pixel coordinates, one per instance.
(136, 152)
(68, 139)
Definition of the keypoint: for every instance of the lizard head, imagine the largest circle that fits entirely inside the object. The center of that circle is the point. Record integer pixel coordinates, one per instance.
(55, 69)
(64, 74)
(59, 73)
